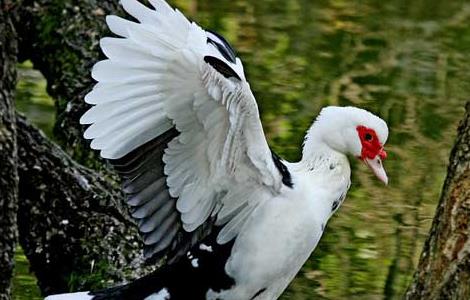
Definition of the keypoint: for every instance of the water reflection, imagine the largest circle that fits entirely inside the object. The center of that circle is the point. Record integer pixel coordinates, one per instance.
(32, 99)
(406, 61)
(402, 60)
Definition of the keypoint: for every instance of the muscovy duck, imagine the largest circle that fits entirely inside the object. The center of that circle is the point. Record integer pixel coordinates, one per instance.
(175, 116)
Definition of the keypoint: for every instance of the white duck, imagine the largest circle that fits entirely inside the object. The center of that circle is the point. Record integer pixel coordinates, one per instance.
(176, 117)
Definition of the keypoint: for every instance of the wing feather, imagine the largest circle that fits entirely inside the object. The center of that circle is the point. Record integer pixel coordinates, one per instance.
(156, 232)
(183, 133)
(119, 26)
(128, 53)
(106, 93)
(231, 229)
(110, 71)
(148, 208)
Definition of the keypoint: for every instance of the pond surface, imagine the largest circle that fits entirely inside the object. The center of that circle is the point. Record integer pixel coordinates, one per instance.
(407, 61)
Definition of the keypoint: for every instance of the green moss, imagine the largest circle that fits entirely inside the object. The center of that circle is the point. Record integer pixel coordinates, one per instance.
(95, 278)
(24, 282)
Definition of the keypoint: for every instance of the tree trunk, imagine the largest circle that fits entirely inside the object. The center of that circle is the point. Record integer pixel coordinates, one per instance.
(444, 267)
(75, 231)
(73, 227)
(8, 151)
(61, 38)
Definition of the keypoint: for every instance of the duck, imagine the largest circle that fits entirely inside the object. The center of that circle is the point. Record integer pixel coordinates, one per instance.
(174, 114)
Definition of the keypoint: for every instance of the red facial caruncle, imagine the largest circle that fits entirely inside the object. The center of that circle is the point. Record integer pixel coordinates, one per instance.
(371, 146)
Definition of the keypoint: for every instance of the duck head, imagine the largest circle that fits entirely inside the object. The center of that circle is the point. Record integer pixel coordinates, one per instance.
(350, 131)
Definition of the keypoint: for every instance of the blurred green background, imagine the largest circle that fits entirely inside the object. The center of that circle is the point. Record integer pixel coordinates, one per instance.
(407, 61)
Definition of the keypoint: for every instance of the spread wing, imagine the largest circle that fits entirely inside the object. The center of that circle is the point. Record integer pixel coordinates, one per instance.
(175, 116)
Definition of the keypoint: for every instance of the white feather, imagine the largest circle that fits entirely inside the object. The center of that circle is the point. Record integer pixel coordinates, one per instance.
(232, 203)
(139, 11)
(71, 296)
(198, 215)
(162, 6)
(117, 150)
(127, 53)
(111, 109)
(111, 71)
(155, 78)
(109, 92)
(231, 229)
(161, 295)
(114, 123)
(119, 26)
(192, 194)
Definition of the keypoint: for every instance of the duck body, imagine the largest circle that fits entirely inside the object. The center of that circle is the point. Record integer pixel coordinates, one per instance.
(283, 231)
(175, 116)
(272, 246)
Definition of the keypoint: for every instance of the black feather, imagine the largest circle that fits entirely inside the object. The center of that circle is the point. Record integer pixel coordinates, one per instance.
(222, 45)
(182, 279)
(258, 294)
(221, 67)
(286, 177)
(140, 170)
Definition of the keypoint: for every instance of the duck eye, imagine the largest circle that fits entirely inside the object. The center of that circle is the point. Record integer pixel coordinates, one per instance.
(368, 137)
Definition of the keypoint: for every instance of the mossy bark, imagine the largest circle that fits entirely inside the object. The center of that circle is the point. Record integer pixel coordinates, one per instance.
(8, 150)
(75, 231)
(61, 38)
(444, 268)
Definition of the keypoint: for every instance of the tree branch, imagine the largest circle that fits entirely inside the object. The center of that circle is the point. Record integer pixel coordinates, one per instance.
(73, 227)
(61, 38)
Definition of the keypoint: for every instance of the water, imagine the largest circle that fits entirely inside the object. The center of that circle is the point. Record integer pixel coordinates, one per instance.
(32, 98)
(407, 61)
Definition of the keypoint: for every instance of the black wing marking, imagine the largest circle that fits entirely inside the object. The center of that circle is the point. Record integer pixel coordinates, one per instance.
(222, 45)
(221, 67)
(286, 176)
(200, 270)
(258, 294)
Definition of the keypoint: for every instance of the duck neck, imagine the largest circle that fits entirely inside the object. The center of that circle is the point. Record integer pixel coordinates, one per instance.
(316, 152)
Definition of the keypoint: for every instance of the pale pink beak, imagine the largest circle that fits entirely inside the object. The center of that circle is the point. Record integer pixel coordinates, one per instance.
(377, 167)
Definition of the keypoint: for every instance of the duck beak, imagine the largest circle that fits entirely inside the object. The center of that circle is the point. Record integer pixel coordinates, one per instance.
(377, 167)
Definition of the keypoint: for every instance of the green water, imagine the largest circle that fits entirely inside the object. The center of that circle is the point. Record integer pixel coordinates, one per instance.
(407, 61)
